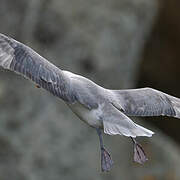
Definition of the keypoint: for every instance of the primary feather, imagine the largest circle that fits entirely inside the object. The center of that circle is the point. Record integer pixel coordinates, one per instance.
(21, 59)
(146, 102)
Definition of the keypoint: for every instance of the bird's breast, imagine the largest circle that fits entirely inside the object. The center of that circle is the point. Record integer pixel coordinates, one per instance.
(91, 117)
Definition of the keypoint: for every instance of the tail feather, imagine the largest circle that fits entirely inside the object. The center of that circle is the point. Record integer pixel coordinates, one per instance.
(143, 131)
(115, 122)
(133, 130)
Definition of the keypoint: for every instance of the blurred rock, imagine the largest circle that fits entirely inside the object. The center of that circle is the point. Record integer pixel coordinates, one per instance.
(40, 138)
(160, 62)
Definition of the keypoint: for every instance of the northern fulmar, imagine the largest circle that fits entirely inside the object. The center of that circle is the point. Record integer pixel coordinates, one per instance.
(102, 109)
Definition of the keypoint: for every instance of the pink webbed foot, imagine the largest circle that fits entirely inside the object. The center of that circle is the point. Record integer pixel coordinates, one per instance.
(139, 154)
(106, 160)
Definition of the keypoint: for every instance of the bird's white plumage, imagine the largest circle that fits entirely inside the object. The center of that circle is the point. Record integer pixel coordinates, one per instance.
(91, 117)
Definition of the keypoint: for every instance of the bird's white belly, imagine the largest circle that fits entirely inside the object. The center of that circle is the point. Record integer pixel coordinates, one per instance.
(90, 117)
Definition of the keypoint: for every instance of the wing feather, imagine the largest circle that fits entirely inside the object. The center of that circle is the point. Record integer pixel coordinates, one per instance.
(21, 59)
(145, 102)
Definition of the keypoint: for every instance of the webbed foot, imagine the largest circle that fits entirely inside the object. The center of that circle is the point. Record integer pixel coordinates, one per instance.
(106, 160)
(139, 154)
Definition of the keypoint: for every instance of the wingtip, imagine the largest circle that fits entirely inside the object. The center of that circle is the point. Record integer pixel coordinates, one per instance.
(4, 37)
(7, 39)
(6, 51)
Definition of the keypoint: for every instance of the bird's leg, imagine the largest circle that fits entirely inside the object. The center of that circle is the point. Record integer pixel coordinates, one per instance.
(139, 154)
(106, 161)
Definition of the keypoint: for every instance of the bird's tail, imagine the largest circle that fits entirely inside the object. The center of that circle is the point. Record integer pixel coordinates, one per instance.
(131, 129)
(115, 122)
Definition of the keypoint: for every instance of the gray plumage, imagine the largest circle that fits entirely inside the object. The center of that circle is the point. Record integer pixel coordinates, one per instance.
(146, 102)
(99, 107)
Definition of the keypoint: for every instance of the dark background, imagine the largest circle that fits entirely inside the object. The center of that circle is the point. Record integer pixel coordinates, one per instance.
(118, 44)
(160, 65)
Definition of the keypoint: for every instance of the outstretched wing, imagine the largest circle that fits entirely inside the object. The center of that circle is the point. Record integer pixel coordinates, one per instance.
(21, 59)
(145, 102)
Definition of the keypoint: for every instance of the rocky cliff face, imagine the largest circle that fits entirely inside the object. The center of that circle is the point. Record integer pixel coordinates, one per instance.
(160, 62)
(40, 138)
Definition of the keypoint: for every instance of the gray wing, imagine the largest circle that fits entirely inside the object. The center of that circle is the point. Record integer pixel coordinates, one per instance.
(145, 102)
(21, 59)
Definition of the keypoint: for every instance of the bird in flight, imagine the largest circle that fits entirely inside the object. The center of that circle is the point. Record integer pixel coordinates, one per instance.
(103, 109)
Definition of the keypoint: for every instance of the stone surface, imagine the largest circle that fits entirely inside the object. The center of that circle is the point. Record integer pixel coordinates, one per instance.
(40, 138)
(160, 62)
